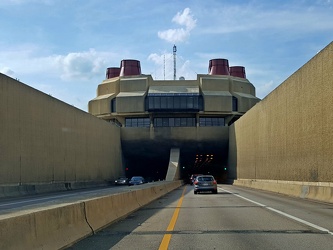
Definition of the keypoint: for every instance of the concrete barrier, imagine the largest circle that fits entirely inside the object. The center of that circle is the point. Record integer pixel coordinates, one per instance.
(306, 190)
(59, 226)
(101, 212)
(145, 196)
(47, 228)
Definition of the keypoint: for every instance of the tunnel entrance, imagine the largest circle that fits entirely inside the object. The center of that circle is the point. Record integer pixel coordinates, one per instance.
(204, 162)
(152, 162)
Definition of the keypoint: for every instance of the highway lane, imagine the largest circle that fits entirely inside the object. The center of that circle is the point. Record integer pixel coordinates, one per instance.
(14, 204)
(235, 218)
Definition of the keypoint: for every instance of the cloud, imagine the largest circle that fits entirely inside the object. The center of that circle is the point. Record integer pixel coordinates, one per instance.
(7, 71)
(290, 19)
(25, 61)
(264, 89)
(185, 18)
(158, 59)
(164, 67)
(80, 65)
(181, 34)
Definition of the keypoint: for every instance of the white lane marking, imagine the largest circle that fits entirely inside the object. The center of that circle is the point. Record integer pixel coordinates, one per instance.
(282, 213)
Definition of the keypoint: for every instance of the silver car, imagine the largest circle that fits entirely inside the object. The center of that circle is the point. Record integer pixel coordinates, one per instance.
(121, 181)
(205, 183)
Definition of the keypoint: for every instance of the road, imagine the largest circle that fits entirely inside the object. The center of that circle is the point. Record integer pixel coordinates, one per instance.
(14, 204)
(235, 218)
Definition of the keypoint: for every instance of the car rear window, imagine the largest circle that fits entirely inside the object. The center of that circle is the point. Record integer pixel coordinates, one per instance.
(205, 178)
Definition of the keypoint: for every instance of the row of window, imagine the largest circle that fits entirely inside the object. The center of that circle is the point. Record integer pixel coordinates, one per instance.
(211, 121)
(175, 122)
(175, 103)
(137, 122)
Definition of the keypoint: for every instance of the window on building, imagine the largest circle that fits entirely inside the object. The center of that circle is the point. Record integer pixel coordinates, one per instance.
(174, 102)
(234, 104)
(137, 122)
(113, 105)
(211, 121)
(174, 122)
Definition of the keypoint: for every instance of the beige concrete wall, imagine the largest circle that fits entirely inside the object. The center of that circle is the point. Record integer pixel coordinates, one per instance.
(108, 86)
(133, 84)
(289, 134)
(242, 85)
(130, 92)
(131, 103)
(214, 83)
(101, 105)
(44, 140)
(59, 226)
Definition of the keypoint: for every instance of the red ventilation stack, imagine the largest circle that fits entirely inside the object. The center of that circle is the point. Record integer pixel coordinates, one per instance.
(238, 71)
(112, 72)
(218, 67)
(130, 68)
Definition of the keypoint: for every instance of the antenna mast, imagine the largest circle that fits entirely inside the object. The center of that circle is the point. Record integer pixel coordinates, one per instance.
(174, 62)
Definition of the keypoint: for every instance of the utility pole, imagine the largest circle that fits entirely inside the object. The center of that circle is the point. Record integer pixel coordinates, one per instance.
(174, 62)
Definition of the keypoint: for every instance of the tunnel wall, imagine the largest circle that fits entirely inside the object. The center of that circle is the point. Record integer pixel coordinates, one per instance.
(288, 136)
(46, 141)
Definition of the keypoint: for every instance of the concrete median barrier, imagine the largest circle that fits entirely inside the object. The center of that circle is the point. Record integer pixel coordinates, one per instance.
(145, 196)
(59, 226)
(49, 228)
(103, 211)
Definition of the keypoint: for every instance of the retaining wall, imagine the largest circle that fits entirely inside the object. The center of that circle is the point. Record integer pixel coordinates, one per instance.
(46, 144)
(287, 137)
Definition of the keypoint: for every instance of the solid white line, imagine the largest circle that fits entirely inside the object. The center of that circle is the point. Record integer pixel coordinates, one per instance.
(282, 213)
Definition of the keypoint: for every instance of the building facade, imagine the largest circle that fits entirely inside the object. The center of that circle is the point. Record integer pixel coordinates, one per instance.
(156, 116)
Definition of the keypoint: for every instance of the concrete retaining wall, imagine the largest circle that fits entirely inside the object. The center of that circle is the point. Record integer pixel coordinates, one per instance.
(288, 135)
(46, 144)
(56, 227)
(306, 190)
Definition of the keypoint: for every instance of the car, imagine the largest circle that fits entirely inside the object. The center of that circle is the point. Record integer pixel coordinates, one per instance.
(192, 178)
(136, 180)
(121, 181)
(204, 183)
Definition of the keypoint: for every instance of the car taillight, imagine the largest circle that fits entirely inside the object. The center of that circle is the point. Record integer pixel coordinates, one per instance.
(214, 182)
(196, 182)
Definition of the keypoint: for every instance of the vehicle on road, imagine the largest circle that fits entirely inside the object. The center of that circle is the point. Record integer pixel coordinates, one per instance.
(192, 178)
(205, 183)
(136, 180)
(121, 181)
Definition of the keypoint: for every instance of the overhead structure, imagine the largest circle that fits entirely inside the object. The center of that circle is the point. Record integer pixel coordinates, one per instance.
(172, 128)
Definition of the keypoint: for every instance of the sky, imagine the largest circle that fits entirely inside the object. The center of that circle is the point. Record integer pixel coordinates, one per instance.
(63, 48)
